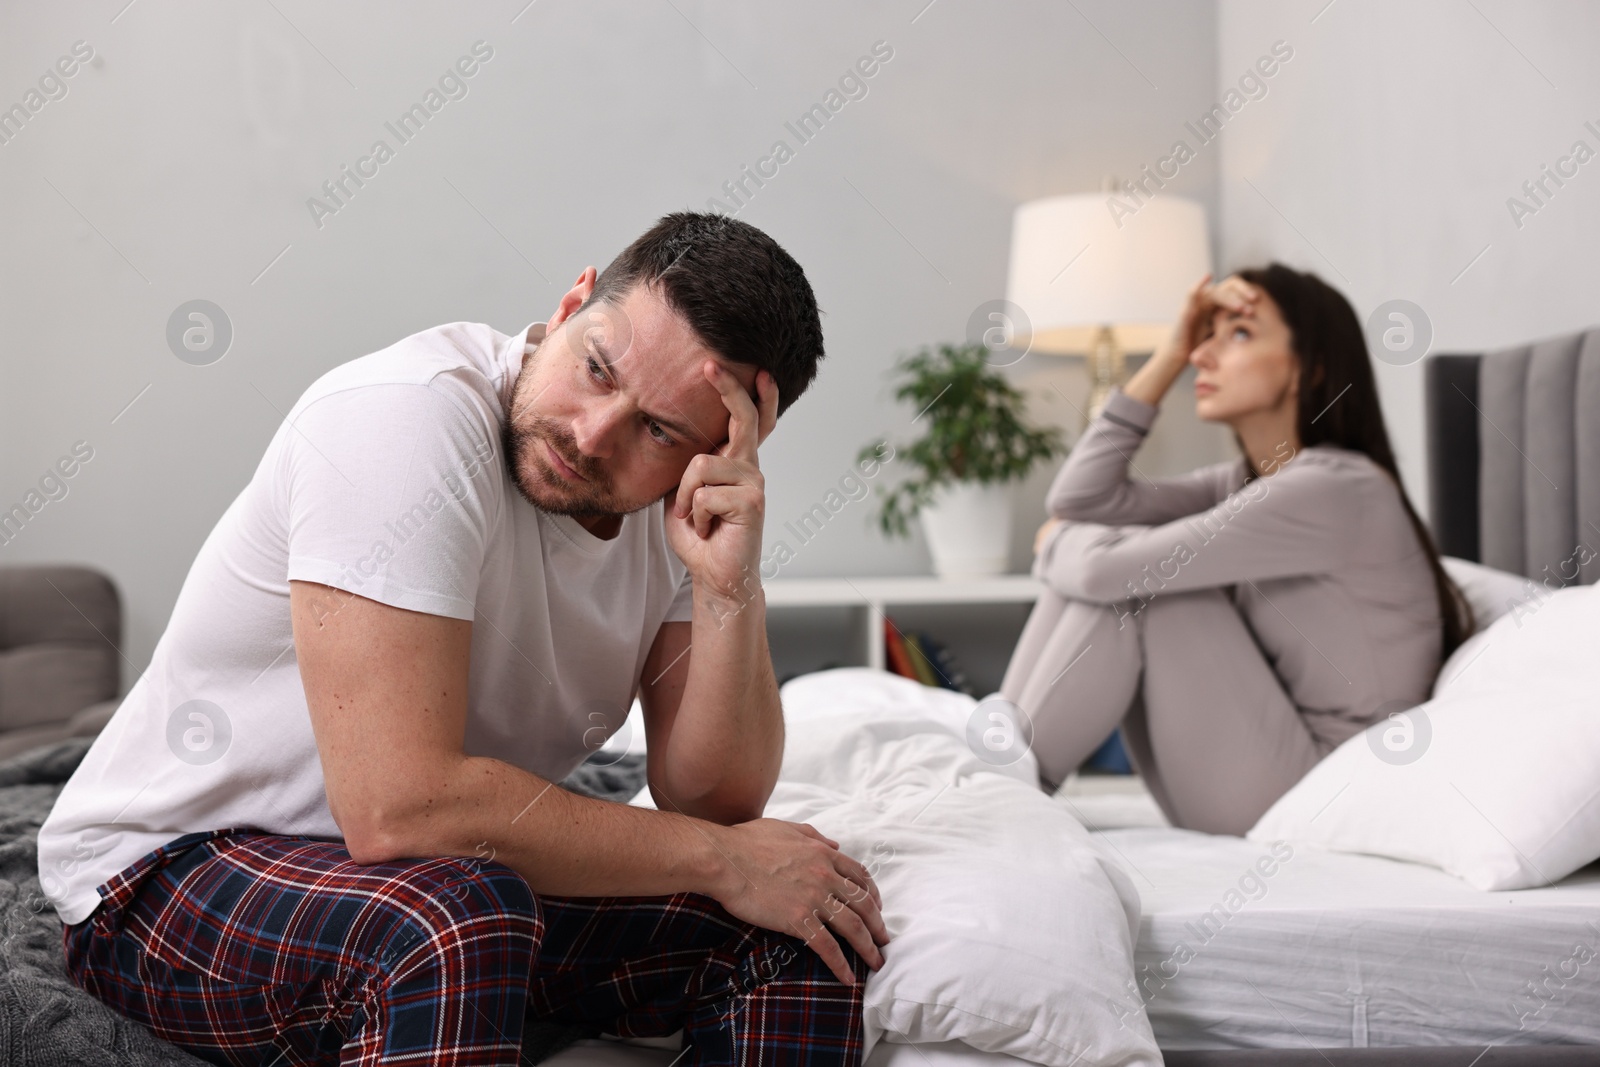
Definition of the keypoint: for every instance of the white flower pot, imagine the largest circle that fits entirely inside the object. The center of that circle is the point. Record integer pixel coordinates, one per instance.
(968, 527)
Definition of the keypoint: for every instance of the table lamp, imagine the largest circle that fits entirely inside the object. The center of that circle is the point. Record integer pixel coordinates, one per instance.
(1100, 274)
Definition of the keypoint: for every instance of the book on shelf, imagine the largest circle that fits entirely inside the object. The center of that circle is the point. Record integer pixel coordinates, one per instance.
(945, 666)
(919, 661)
(895, 654)
(1111, 757)
(916, 655)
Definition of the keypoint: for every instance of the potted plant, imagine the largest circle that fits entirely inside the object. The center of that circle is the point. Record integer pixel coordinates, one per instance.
(974, 443)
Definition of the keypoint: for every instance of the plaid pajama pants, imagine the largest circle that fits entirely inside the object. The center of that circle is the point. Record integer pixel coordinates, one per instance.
(251, 948)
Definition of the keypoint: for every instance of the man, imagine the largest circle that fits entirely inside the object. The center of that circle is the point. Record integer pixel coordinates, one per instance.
(322, 826)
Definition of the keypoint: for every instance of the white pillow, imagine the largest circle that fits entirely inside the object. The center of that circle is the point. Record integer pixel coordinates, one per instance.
(1496, 780)
(1011, 929)
(1491, 592)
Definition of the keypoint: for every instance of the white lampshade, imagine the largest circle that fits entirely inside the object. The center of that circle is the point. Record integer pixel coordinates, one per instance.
(1132, 277)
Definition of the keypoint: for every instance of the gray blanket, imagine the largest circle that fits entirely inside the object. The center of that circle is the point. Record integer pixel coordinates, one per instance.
(46, 1020)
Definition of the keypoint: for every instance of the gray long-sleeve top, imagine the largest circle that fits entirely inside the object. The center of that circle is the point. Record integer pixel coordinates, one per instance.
(1319, 555)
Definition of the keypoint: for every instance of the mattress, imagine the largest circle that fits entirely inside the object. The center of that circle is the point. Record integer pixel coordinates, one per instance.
(1335, 950)
(1339, 950)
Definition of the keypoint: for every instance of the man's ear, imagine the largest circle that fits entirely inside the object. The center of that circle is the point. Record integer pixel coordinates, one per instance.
(572, 299)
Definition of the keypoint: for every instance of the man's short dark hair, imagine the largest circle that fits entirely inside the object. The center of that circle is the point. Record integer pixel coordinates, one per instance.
(741, 293)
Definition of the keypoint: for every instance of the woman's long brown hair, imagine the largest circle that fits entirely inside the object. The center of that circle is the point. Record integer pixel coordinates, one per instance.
(1338, 405)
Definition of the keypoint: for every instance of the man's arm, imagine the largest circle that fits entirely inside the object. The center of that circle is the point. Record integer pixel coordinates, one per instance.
(387, 692)
(713, 722)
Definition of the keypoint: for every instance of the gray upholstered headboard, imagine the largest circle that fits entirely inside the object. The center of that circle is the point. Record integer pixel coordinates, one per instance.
(1514, 457)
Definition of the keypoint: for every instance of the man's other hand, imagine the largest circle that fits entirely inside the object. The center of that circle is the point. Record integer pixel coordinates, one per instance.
(788, 877)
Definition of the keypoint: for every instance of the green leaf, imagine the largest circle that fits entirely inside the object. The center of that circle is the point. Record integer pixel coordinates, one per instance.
(974, 430)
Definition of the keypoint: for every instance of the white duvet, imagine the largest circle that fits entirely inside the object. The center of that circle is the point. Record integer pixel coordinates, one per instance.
(1012, 931)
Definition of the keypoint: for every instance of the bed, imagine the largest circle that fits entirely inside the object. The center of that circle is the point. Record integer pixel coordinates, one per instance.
(1338, 958)
(1343, 958)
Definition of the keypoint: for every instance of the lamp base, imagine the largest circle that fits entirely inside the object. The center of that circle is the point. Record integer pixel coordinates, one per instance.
(1109, 369)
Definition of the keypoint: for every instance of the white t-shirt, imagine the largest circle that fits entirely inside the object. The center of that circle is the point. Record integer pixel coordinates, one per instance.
(385, 480)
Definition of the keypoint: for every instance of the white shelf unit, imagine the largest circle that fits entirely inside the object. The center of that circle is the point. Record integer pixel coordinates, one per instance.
(866, 600)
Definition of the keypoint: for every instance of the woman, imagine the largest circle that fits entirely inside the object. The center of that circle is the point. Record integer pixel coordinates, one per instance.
(1242, 620)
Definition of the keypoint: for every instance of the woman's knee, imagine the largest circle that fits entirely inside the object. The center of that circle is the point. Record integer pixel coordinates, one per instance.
(1189, 608)
(1084, 621)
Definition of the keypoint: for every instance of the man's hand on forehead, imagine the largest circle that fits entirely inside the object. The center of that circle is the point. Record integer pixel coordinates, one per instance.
(758, 412)
(724, 486)
(727, 384)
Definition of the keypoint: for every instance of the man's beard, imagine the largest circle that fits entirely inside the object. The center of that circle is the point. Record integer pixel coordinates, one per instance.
(521, 448)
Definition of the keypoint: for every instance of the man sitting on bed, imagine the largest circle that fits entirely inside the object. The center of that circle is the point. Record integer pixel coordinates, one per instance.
(324, 818)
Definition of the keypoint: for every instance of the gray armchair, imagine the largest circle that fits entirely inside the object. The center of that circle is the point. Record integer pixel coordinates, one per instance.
(60, 628)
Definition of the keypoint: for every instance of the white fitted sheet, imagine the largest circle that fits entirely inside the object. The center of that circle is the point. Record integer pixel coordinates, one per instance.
(1342, 950)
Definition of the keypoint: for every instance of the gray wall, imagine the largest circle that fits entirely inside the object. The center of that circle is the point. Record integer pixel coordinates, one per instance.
(1384, 156)
(179, 163)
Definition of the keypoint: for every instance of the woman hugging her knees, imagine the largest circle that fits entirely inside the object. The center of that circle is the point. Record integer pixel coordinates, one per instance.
(1242, 620)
